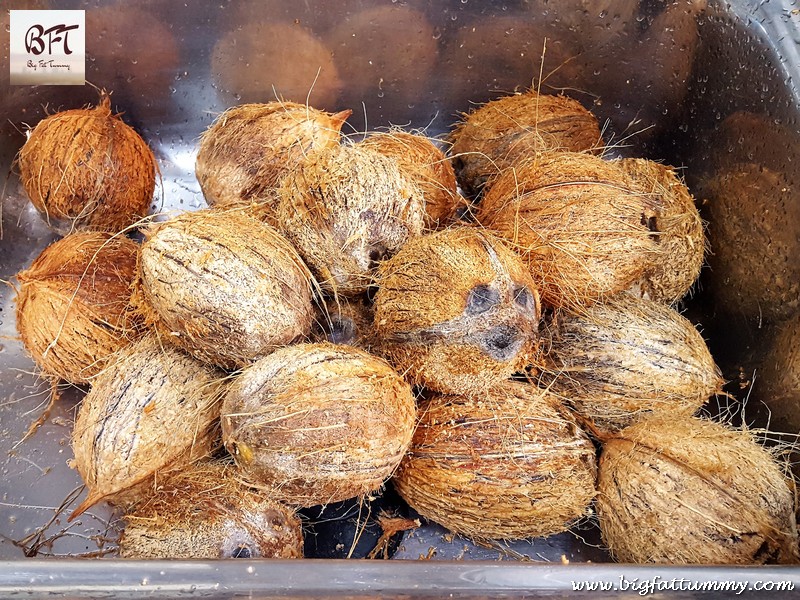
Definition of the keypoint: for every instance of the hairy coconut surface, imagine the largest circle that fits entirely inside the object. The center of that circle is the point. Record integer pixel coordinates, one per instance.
(151, 411)
(424, 163)
(692, 491)
(628, 357)
(583, 225)
(85, 168)
(74, 304)
(224, 286)
(249, 148)
(345, 321)
(510, 464)
(681, 239)
(346, 209)
(205, 512)
(456, 311)
(503, 132)
(318, 423)
(778, 384)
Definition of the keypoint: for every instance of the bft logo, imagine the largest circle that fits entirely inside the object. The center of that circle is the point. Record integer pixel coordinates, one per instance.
(48, 47)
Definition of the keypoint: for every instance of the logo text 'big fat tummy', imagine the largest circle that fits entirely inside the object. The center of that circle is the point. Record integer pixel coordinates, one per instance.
(47, 47)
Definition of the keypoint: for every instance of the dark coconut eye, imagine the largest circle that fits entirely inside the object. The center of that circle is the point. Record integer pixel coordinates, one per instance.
(241, 551)
(481, 298)
(523, 297)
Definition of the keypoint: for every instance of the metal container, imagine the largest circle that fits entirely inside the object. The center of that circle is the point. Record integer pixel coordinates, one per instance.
(705, 86)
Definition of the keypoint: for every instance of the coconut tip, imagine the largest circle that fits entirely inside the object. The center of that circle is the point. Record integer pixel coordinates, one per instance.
(340, 117)
(88, 503)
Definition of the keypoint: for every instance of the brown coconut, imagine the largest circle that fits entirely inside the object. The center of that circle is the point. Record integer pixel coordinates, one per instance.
(224, 286)
(681, 238)
(346, 209)
(692, 491)
(152, 411)
(318, 423)
(264, 60)
(501, 133)
(584, 227)
(626, 358)
(777, 382)
(594, 22)
(85, 168)
(424, 163)
(456, 311)
(249, 148)
(510, 464)
(205, 512)
(344, 321)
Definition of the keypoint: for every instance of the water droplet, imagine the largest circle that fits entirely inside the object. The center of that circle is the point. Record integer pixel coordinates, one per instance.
(250, 569)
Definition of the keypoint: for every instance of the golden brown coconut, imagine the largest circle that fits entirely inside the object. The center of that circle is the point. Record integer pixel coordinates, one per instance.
(224, 287)
(264, 61)
(584, 227)
(691, 491)
(249, 148)
(681, 239)
(506, 131)
(74, 304)
(346, 209)
(626, 358)
(318, 423)
(424, 163)
(456, 311)
(345, 321)
(152, 411)
(510, 464)
(205, 512)
(778, 381)
(85, 168)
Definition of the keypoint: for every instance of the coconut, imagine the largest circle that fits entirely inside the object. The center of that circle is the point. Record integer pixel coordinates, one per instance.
(421, 161)
(501, 133)
(344, 321)
(692, 491)
(318, 423)
(511, 464)
(74, 304)
(85, 168)
(681, 239)
(204, 512)
(595, 22)
(265, 60)
(249, 148)
(224, 286)
(584, 227)
(778, 379)
(627, 358)
(151, 411)
(345, 209)
(456, 311)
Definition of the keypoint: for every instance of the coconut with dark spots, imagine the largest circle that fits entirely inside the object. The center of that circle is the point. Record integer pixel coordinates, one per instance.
(344, 320)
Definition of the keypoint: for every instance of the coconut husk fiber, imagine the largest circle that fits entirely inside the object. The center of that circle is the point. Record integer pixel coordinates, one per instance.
(345, 320)
(74, 304)
(85, 168)
(205, 512)
(249, 148)
(456, 311)
(152, 410)
(510, 464)
(692, 491)
(503, 132)
(584, 227)
(778, 378)
(224, 287)
(318, 423)
(626, 358)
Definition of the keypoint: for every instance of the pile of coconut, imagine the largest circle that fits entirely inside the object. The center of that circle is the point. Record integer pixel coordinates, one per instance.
(483, 322)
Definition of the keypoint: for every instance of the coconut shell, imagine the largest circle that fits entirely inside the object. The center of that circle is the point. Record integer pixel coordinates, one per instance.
(456, 311)
(249, 148)
(425, 164)
(501, 133)
(204, 512)
(224, 287)
(681, 238)
(345, 321)
(318, 423)
(511, 464)
(585, 228)
(691, 491)
(85, 168)
(346, 209)
(74, 304)
(627, 358)
(152, 411)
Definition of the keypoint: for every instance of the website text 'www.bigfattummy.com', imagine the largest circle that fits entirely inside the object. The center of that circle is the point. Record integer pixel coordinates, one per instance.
(679, 584)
